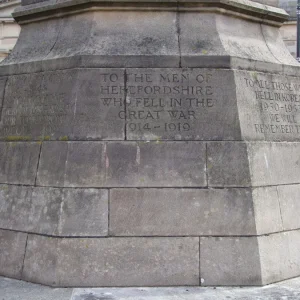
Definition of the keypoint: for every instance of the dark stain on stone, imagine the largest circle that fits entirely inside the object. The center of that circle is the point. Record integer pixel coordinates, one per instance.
(199, 45)
(91, 296)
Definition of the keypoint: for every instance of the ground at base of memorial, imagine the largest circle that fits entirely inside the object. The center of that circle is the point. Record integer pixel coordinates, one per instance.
(11, 289)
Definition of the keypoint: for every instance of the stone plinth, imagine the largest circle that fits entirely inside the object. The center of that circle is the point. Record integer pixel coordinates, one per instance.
(149, 143)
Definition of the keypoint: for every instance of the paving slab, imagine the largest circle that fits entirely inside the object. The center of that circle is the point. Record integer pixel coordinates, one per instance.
(11, 289)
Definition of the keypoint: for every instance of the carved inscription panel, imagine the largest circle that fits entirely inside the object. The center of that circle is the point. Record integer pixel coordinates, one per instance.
(269, 106)
(176, 104)
(67, 104)
(117, 104)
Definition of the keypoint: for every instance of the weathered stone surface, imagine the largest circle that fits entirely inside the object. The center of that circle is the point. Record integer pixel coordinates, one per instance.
(12, 249)
(54, 211)
(30, 209)
(266, 210)
(126, 164)
(222, 37)
(227, 164)
(84, 212)
(171, 212)
(53, 162)
(199, 38)
(236, 44)
(28, 2)
(280, 257)
(70, 104)
(252, 164)
(112, 261)
(269, 106)
(250, 260)
(181, 104)
(31, 44)
(276, 45)
(111, 39)
(274, 163)
(147, 38)
(2, 92)
(268, 2)
(229, 261)
(289, 205)
(18, 162)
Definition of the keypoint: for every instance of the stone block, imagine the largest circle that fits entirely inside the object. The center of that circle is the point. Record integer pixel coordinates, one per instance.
(290, 205)
(227, 164)
(84, 212)
(181, 104)
(122, 164)
(280, 257)
(274, 163)
(184, 212)
(30, 209)
(66, 105)
(53, 160)
(227, 261)
(149, 39)
(18, 162)
(12, 249)
(199, 38)
(54, 211)
(266, 210)
(112, 261)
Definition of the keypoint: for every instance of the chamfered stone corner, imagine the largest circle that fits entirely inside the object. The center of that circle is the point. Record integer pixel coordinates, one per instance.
(230, 261)
(279, 254)
(267, 211)
(274, 163)
(289, 205)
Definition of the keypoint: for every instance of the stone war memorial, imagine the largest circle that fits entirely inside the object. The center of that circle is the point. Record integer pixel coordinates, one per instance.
(149, 143)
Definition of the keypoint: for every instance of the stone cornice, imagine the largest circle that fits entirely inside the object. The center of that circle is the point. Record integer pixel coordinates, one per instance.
(31, 11)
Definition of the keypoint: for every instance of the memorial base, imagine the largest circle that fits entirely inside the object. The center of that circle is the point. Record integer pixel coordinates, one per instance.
(149, 144)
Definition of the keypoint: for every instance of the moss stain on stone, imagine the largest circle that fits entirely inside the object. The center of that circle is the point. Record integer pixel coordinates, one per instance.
(13, 138)
(45, 138)
(254, 75)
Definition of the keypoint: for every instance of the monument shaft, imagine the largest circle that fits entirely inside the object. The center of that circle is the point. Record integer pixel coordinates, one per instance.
(148, 143)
